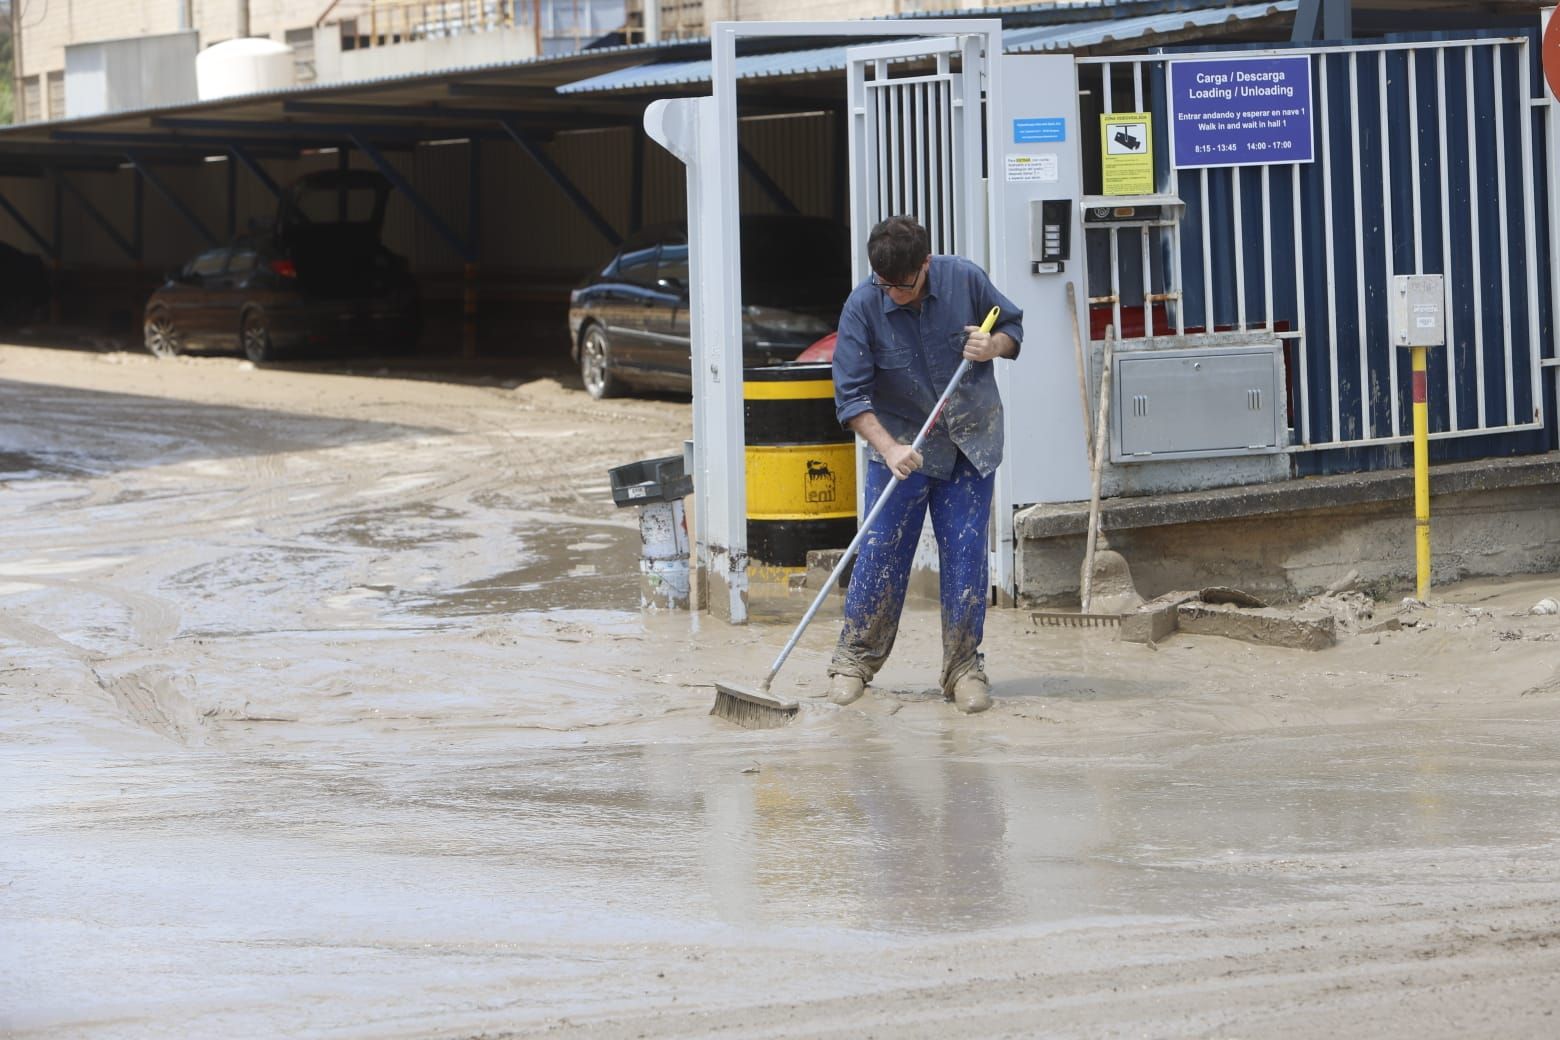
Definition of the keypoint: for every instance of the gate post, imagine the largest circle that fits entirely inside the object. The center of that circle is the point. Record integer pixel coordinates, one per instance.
(1549, 54)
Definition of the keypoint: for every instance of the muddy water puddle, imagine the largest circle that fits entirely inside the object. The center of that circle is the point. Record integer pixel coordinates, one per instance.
(831, 835)
(580, 568)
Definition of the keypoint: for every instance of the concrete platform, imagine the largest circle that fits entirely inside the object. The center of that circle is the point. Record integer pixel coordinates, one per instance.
(1290, 539)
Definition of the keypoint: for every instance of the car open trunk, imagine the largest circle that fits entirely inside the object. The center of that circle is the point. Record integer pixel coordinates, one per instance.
(329, 224)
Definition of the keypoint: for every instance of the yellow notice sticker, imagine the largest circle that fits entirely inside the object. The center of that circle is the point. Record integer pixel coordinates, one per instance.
(1126, 153)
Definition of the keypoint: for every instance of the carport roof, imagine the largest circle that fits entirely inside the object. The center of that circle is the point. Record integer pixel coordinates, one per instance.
(1134, 31)
(532, 98)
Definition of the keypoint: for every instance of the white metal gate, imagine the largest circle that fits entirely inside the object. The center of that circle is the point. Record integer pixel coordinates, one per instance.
(915, 142)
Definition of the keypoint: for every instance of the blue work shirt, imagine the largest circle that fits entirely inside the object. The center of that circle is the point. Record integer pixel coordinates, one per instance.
(896, 362)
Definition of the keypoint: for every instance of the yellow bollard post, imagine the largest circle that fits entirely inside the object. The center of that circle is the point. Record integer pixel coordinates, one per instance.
(1421, 475)
(1418, 322)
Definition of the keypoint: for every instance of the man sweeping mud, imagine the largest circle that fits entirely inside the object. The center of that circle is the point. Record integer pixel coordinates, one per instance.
(902, 334)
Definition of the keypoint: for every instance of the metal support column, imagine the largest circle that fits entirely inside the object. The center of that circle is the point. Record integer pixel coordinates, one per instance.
(232, 198)
(126, 245)
(58, 267)
(765, 183)
(172, 199)
(22, 222)
(255, 168)
(636, 198)
(473, 240)
(559, 178)
(440, 226)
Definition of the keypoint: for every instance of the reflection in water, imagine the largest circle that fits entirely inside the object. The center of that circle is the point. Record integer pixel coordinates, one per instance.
(924, 832)
(573, 569)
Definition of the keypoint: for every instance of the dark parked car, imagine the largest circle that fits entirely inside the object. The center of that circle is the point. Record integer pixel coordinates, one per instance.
(319, 277)
(628, 323)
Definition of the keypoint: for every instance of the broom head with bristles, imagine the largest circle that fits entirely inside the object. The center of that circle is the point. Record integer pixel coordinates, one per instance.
(752, 707)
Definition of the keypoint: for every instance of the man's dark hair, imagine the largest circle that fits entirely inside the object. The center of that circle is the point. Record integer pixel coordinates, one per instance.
(896, 247)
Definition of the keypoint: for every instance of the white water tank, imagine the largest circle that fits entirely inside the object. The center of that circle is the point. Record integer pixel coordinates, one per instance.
(245, 66)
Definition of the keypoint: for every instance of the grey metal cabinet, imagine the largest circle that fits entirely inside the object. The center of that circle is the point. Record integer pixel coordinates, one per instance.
(1204, 402)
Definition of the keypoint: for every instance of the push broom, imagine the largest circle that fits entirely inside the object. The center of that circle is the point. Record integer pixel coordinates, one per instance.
(754, 707)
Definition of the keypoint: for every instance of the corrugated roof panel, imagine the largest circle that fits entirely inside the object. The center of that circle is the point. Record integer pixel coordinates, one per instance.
(752, 66)
(1030, 39)
(1086, 34)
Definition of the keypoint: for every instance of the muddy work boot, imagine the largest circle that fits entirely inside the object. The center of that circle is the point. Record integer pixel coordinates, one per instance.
(971, 694)
(845, 689)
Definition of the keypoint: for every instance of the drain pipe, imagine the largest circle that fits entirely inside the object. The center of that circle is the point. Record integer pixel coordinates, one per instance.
(243, 20)
(186, 14)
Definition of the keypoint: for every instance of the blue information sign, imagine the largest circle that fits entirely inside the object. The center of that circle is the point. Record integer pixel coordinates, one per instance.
(1039, 131)
(1241, 111)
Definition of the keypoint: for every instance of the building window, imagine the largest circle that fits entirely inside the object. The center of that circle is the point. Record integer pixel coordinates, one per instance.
(57, 94)
(302, 43)
(32, 99)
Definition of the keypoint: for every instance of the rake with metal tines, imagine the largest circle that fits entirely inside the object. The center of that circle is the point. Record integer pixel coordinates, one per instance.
(754, 706)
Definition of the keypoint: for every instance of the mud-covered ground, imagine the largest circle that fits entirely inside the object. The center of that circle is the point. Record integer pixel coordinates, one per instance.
(327, 710)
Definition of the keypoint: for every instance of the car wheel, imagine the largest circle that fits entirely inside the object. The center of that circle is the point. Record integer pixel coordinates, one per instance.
(159, 335)
(596, 364)
(255, 337)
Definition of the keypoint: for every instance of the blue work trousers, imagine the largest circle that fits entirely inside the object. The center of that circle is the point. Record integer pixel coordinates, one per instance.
(961, 509)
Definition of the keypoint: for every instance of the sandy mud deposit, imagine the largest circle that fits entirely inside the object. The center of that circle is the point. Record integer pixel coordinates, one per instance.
(327, 710)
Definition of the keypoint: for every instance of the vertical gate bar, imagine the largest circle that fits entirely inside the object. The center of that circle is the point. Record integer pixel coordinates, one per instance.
(916, 153)
(934, 146)
(1207, 255)
(1386, 233)
(940, 162)
(1529, 233)
(1137, 86)
(1328, 269)
(1148, 287)
(1267, 253)
(945, 70)
(1175, 256)
(976, 245)
(1300, 344)
(1240, 247)
(1115, 277)
(928, 145)
(955, 167)
(880, 107)
(895, 156)
(1505, 236)
(927, 115)
(1361, 335)
(1446, 244)
(944, 151)
(1473, 225)
(859, 137)
(1414, 220)
(1105, 100)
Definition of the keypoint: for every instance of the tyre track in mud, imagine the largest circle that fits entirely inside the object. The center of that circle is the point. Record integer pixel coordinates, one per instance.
(170, 491)
(1357, 969)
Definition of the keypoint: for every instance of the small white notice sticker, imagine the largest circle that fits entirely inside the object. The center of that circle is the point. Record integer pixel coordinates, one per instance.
(1033, 167)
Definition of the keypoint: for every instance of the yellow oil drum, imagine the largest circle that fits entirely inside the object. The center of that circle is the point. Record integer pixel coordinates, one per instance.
(801, 466)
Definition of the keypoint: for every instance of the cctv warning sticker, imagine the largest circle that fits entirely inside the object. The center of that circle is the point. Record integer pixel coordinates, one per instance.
(1126, 153)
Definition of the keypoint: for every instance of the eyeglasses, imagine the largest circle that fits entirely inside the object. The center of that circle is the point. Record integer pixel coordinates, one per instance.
(901, 286)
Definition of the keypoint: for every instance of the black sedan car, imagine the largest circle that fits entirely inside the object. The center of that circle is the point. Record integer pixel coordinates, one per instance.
(628, 322)
(320, 277)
